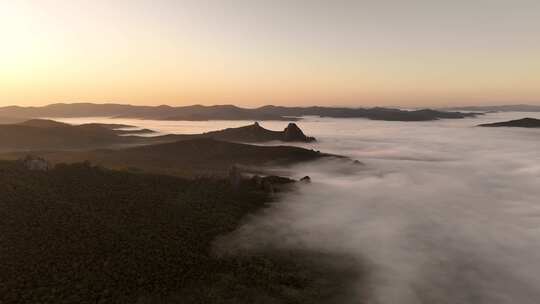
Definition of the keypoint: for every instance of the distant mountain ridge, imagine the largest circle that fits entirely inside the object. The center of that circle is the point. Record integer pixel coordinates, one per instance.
(223, 112)
(501, 108)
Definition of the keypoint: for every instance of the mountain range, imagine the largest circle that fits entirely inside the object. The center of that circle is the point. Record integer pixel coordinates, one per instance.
(222, 112)
(501, 108)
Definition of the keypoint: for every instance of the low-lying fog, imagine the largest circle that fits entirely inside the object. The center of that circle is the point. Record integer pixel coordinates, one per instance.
(442, 212)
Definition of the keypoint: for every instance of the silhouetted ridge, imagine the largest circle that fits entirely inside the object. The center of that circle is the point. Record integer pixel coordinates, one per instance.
(43, 123)
(38, 134)
(223, 112)
(501, 108)
(42, 134)
(256, 133)
(293, 133)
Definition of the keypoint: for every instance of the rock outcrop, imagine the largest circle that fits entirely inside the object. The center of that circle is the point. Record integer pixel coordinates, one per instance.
(293, 133)
(256, 133)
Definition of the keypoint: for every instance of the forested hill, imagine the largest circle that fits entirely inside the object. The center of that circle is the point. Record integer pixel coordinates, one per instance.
(223, 112)
(83, 234)
(188, 158)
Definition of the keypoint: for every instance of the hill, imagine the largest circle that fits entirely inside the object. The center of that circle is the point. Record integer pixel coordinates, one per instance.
(256, 133)
(188, 158)
(43, 136)
(43, 123)
(521, 123)
(248, 134)
(40, 134)
(11, 120)
(223, 112)
(83, 234)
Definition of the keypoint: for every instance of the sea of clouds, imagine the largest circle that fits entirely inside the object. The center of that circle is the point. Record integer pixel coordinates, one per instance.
(441, 212)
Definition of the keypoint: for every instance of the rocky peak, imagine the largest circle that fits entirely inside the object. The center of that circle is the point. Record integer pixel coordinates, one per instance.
(255, 127)
(293, 133)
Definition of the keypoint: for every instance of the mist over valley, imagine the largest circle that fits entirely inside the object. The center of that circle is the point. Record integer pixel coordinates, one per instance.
(438, 212)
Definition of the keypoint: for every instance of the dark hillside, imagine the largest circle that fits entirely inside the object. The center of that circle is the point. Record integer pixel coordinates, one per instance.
(188, 158)
(518, 123)
(30, 137)
(81, 234)
(43, 134)
(43, 123)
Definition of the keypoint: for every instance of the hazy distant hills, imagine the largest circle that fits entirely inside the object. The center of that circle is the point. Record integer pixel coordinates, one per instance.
(195, 112)
(520, 123)
(39, 134)
(222, 112)
(376, 113)
(502, 108)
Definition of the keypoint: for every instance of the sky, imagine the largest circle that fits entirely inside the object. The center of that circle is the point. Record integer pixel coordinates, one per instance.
(253, 52)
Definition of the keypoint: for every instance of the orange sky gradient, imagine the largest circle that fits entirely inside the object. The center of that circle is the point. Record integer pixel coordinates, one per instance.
(252, 53)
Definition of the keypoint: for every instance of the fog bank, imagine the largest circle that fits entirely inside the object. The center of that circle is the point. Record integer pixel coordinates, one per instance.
(442, 212)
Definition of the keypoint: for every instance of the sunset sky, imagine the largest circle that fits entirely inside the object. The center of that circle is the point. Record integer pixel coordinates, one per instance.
(251, 52)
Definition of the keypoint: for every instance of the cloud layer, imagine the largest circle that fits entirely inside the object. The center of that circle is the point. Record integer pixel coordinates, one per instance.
(442, 212)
